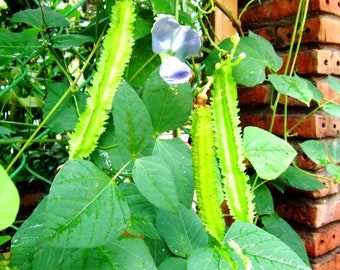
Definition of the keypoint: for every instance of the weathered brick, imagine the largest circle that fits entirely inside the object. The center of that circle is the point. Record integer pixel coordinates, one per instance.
(316, 30)
(320, 241)
(316, 126)
(316, 62)
(272, 10)
(310, 212)
(329, 261)
(257, 95)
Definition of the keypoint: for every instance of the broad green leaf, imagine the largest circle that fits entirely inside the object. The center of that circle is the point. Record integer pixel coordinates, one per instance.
(69, 40)
(163, 7)
(65, 117)
(277, 226)
(174, 263)
(169, 105)
(183, 232)
(292, 177)
(333, 83)
(269, 154)
(263, 249)
(143, 61)
(142, 27)
(154, 180)
(37, 18)
(143, 213)
(14, 45)
(334, 170)
(208, 259)
(176, 154)
(317, 94)
(9, 200)
(263, 199)
(124, 253)
(316, 151)
(260, 55)
(292, 86)
(334, 150)
(4, 239)
(332, 109)
(158, 249)
(134, 132)
(94, 212)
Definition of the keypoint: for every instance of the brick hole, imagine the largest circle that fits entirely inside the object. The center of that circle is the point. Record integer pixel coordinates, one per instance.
(307, 31)
(327, 2)
(323, 125)
(337, 63)
(289, 35)
(333, 236)
(334, 126)
(338, 4)
(286, 208)
(304, 156)
(322, 242)
(325, 62)
(303, 214)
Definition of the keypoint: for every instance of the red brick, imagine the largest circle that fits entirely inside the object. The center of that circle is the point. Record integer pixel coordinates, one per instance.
(330, 261)
(315, 126)
(320, 241)
(313, 213)
(316, 30)
(316, 62)
(257, 95)
(278, 9)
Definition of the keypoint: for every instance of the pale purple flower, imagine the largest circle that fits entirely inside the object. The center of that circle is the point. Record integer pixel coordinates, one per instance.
(174, 42)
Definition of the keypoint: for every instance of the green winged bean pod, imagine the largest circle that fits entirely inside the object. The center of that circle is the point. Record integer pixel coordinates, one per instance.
(206, 172)
(229, 146)
(117, 50)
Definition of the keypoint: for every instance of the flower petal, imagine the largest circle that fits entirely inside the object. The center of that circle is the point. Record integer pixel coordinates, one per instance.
(163, 32)
(186, 42)
(174, 71)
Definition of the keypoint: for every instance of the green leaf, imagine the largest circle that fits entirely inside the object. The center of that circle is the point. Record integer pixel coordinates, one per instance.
(94, 212)
(333, 83)
(163, 7)
(183, 232)
(17, 44)
(143, 61)
(41, 19)
(143, 213)
(334, 150)
(263, 199)
(277, 226)
(173, 263)
(142, 27)
(208, 259)
(292, 177)
(69, 40)
(9, 200)
(135, 128)
(317, 94)
(65, 117)
(332, 109)
(176, 154)
(4, 239)
(295, 87)
(334, 170)
(158, 249)
(251, 70)
(316, 151)
(269, 154)
(154, 180)
(263, 249)
(169, 105)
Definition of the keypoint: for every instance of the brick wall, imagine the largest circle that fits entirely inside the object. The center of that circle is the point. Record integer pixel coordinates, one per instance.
(314, 215)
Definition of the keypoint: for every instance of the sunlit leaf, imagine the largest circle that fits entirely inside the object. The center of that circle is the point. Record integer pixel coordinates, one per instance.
(269, 154)
(316, 151)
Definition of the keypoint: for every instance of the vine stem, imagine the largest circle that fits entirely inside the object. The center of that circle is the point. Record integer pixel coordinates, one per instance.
(70, 90)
